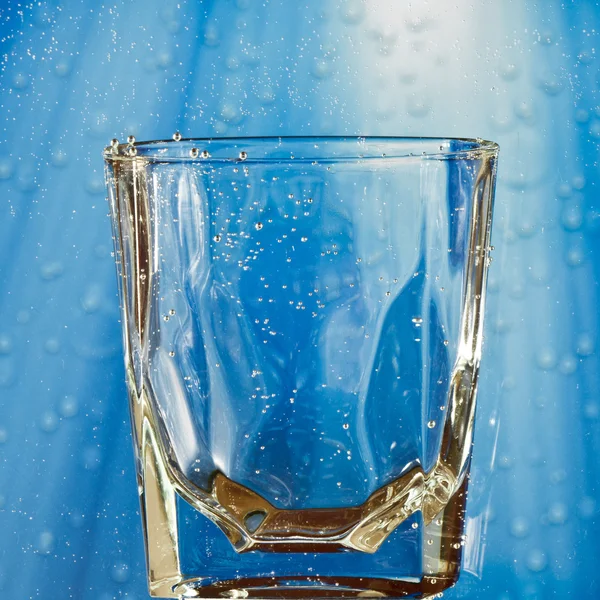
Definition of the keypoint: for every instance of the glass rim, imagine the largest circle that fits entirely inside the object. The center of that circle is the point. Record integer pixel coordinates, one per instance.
(367, 148)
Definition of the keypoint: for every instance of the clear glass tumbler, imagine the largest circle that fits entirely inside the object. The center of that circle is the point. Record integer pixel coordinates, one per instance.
(303, 327)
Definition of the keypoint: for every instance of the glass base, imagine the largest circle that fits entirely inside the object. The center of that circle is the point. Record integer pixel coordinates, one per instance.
(310, 587)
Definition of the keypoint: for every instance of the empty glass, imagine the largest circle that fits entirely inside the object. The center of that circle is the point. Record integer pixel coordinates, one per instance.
(303, 325)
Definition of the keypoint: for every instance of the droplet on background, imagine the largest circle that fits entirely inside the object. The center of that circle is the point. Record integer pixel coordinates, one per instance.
(62, 68)
(211, 35)
(417, 106)
(49, 421)
(3, 435)
(546, 359)
(567, 365)
(536, 561)
(352, 11)
(558, 514)
(519, 527)
(20, 81)
(5, 344)
(584, 344)
(91, 458)
(572, 217)
(68, 407)
(52, 346)
(120, 573)
(587, 507)
(52, 270)
(6, 169)
(45, 543)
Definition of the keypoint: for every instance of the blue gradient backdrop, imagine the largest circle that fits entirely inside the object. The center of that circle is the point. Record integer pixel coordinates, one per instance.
(74, 74)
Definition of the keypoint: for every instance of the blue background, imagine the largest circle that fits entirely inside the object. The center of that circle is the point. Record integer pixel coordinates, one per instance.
(74, 74)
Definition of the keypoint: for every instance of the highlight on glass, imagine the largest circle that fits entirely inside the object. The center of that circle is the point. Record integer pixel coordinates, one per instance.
(302, 324)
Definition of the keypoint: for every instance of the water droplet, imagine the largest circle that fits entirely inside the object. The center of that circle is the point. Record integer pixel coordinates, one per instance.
(243, 155)
(346, 426)
(572, 218)
(166, 318)
(172, 312)
(143, 277)
(68, 407)
(258, 226)
(5, 345)
(558, 514)
(52, 270)
(20, 81)
(431, 424)
(456, 545)
(120, 573)
(352, 11)
(546, 359)
(519, 527)
(45, 543)
(417, 321)
(194, 153)
(536, 561)
(131, 151)
(587, 507)
(415, 526)
(131, 139)
(177, 136)
(446, 342)
(49, 421)
(568, 365)
(205, 154)
(575, 257)
(217, 238)
(591, 411)
(52, 346)
(304, 239)
(584, 344)
(171, 354)
(430, 542)
(211, 35)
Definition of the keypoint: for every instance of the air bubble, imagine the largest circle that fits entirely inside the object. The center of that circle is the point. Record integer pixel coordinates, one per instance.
(177, 136)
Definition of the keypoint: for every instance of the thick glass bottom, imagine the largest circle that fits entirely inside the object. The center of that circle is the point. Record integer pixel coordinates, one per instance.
(314, 587)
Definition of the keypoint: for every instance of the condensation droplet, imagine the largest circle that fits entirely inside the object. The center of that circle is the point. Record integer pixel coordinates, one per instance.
(52, 346)
(45, 543)
(585, 344)
(68, 407)
(120, 573)
(519, 527)
(5, 344)
(536, 561)
(49, 421)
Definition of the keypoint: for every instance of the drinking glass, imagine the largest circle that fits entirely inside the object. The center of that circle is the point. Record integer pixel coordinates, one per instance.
(302, 324)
